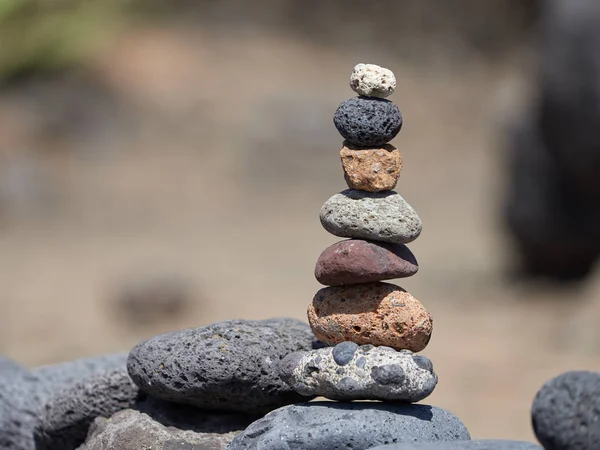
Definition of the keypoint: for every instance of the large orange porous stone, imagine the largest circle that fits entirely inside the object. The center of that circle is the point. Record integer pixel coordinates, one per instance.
(370, 313)
(373, 169)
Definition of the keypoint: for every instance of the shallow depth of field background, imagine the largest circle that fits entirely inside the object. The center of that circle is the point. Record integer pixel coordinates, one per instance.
(178, 153)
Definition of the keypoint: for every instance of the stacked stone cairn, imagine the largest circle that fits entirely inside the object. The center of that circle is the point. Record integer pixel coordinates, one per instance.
(375, 327)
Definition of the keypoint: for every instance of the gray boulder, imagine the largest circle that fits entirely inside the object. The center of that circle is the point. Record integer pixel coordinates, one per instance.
(228, 366)
(483, 444)
(357, 426)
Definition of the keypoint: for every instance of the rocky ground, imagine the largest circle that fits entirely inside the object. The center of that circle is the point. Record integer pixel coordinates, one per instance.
(206, 157)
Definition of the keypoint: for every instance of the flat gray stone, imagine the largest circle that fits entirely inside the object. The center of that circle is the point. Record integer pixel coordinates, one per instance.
(134, 430)
(228, 366)
(379, 216)
(350, 372)
(67, 415)
(343, 426)
(8, 367)
(566, 412)
(483, 444)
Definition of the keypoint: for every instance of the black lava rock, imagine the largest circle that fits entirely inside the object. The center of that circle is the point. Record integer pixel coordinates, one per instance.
(357, 426)
(368, 122)
(566, 412)
(67, 415)
(483, 444)
(227, 366)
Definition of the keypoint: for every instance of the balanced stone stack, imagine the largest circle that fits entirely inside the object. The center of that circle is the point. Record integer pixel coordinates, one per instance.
(374, 327)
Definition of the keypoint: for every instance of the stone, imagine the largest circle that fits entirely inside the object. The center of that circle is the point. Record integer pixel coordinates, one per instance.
(348, 372)
(227, 366)
(23, 394)
(367, 121)
(566, 412)
(66, 417)
(21, 397)
(357, 261)
(62, 375)
(372, 80)
(8, 367)
(370, 313)
(377, 216)
(483, 444)
(358, 425)
(372, 170)
(136, 430)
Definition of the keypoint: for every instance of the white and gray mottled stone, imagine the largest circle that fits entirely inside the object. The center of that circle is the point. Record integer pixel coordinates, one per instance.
(343, 426)
(378, 216)
(350, 372)
(372, 80)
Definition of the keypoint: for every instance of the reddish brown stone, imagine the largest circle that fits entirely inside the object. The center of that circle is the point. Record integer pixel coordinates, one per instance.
(371, 169)
(356, 261)
(370, 313)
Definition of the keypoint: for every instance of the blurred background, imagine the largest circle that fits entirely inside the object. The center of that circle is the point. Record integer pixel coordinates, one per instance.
(163, 163)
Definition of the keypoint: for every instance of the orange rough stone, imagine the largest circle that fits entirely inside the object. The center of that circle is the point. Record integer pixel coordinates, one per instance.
(372, 170)
(370, 313)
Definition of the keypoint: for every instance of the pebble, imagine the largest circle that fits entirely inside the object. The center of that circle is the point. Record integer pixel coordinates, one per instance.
(372, 170)
(370, 313)
(357, 426)
(372, 80)
(357, 261)
(66, 417)
(566, 412)
(368, 122)
(377, 216)
(483, 444)
(135, 430)
(227, 366)
(349, 372)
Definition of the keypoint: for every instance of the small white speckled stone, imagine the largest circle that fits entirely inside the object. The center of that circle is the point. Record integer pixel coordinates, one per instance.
(371, 80)
(351, 372)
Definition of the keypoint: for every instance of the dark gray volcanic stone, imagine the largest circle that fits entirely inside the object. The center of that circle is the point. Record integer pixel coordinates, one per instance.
(9, 367)
(227, 366)
(356, 426)
(21, 396)
(66, 417)
(566, 412)
(24, 393)
(483, 444)
(62, 375)
(367, 121)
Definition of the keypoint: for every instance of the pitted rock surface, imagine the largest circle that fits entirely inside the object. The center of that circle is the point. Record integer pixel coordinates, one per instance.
(227, 366)
(343, 426)
(368, 121)
(350, 372)
(372, 80)
(65, 419)
(357, 261)
(377, 216)
(373, 169)
(483, 444)
(370, 313)
(566, 412)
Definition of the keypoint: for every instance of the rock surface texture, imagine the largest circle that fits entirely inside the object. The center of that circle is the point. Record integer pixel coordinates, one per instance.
(566, 412)
(371, 313)
(368, 122)
(378, 216)
(372, 80)
(350, 372)
(66, 417)
(357, 261)
(372, 170)
(228, 366)
(483, 444)
(343, 426)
